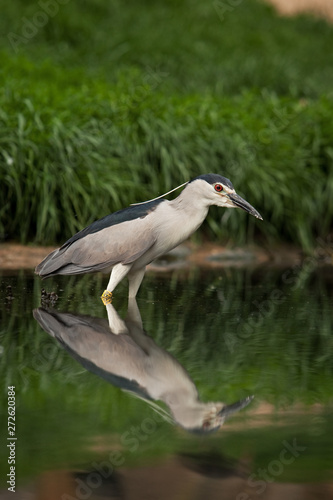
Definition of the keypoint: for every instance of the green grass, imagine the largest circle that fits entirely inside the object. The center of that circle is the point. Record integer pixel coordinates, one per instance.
(108, 105)
(188, 41)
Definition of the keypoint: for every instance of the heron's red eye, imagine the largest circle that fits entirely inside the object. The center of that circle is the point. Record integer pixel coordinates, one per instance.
(218, 188)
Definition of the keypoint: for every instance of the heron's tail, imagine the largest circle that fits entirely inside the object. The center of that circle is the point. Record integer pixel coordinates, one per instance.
(58, 262)
(49, 265)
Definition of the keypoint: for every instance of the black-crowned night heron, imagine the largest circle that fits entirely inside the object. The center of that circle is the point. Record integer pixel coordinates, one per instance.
(122, 353)
(127, 240)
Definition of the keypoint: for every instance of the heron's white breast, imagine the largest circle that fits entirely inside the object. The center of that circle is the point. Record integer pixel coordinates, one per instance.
(171, 224)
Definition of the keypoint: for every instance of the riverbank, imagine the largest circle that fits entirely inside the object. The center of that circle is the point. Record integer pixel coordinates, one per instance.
(17, 256)
(319, 8)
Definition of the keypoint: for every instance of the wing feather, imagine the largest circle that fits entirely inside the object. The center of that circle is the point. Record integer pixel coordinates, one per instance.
(121, 243)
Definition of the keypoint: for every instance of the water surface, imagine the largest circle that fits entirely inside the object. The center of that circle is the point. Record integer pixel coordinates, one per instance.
(234, 333)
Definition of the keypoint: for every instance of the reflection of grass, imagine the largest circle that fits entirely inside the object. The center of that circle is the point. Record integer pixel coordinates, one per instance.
(126, 111)
(287, 359)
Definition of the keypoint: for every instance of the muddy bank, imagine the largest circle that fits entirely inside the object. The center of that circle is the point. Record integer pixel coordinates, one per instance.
(16, 256)
(318, 8)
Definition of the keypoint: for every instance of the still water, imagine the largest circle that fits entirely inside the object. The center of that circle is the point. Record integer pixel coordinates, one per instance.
(153, 399)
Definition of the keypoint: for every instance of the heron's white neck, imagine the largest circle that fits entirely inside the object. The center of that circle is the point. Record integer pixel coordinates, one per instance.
(174, 221)
(192, 203)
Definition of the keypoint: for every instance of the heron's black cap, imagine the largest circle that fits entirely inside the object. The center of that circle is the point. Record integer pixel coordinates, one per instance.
(213, 179)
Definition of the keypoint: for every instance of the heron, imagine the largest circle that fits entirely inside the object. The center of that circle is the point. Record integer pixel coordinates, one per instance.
(126, 241)
(120, 351)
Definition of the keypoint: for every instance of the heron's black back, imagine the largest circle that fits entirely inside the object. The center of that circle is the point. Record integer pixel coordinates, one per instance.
(126, 214)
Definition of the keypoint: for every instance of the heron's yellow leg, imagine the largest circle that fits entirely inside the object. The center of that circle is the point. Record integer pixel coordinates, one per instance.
(106, 297)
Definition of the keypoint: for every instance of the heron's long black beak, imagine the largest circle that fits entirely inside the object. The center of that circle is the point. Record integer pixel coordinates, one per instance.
(238, 201)
(235, 407)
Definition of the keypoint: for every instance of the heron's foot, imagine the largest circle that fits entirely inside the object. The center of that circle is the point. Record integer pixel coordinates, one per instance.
(106, 297)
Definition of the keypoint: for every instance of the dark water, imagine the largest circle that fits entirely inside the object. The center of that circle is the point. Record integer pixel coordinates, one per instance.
(107, 408)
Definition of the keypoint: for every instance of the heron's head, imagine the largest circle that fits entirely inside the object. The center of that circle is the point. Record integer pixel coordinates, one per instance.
(218, 190)
(206, 417)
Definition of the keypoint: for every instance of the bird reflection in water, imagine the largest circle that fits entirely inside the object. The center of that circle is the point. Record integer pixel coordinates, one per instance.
(122, 353)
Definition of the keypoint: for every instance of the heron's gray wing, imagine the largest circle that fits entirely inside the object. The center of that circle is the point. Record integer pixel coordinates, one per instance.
(121, 243)
(121, 237)
(116, 358)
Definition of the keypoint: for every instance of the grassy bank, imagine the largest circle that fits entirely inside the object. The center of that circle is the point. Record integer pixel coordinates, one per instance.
(105, 106)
